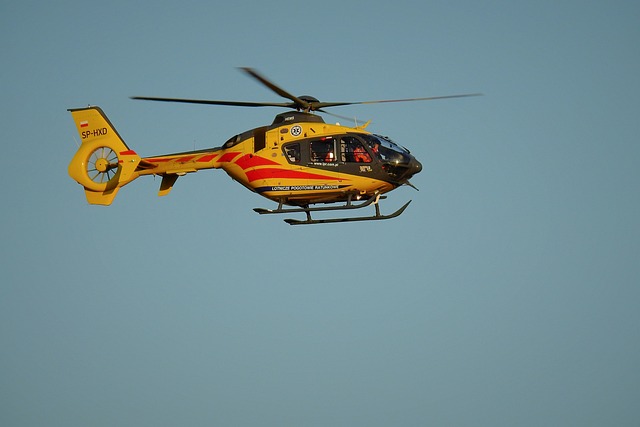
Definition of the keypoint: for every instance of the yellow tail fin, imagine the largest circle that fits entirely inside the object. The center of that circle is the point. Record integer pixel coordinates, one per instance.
(103, 163)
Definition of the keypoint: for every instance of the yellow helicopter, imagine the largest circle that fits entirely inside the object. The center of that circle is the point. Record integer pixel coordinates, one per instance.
(300, 162)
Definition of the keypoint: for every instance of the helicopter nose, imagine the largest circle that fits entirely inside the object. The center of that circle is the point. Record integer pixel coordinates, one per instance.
(415, 166)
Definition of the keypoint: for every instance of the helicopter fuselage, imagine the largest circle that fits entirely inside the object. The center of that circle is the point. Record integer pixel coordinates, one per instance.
(299, 160)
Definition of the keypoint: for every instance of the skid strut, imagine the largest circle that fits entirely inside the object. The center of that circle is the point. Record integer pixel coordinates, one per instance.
(349, 205)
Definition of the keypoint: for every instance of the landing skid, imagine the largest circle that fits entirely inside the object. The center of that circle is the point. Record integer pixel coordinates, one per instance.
(348, 206)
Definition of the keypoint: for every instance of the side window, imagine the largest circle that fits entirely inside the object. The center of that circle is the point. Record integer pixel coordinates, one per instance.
(323, 150)
(352, 150)
(259, 139)
(292, 151)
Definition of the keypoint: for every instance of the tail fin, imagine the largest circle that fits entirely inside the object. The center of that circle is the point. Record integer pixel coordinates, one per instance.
(103, 163)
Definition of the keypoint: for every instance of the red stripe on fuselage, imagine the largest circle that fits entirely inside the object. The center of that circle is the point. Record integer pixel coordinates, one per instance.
(274, 173)
(185, 159)
(227, 157)
(207, 158)
(250, 161)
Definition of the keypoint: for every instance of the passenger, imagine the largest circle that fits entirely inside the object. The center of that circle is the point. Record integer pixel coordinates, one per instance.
(329, 157)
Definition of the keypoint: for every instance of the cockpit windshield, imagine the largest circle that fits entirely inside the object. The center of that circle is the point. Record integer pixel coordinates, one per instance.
(387, 150)
(396, 160)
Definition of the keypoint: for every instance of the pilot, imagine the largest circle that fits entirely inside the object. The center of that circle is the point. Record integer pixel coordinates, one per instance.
(361, 155)
(376, 150)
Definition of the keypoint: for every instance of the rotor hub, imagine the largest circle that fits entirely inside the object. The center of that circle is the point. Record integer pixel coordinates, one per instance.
(102, 165)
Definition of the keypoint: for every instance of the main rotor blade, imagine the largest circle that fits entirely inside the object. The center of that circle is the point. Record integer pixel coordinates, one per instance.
(338, 116)
(430, 98)
(302, 104)
(213, 102)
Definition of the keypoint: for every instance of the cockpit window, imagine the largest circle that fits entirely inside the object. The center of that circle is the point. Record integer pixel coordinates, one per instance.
(395, 159)
(387, 150)
(352, 150)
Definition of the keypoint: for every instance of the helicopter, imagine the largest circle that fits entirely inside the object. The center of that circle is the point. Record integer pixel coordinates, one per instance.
(299, 161)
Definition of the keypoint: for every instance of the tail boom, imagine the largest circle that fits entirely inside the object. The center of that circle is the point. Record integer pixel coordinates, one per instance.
(104, 162)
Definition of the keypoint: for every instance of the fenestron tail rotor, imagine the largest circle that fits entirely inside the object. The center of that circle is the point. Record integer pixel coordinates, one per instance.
(102, 165)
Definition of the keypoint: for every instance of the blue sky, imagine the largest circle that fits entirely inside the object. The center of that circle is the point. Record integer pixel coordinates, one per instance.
(506, 294)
